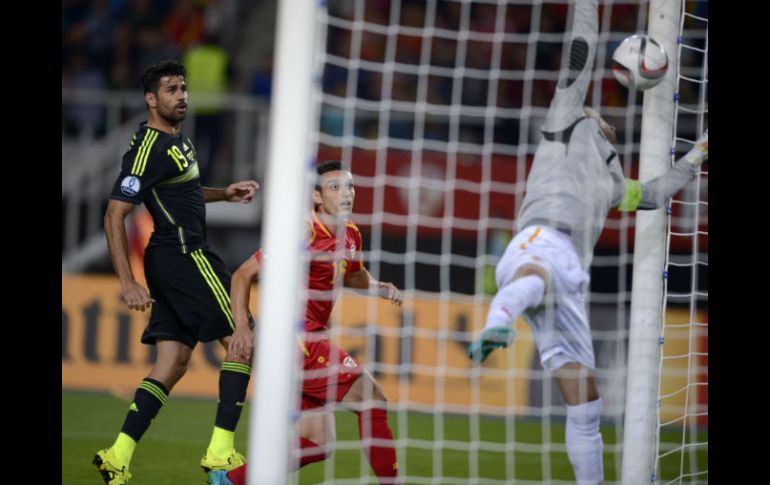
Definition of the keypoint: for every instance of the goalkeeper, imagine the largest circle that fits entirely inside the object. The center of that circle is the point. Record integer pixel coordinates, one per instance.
(576, 178)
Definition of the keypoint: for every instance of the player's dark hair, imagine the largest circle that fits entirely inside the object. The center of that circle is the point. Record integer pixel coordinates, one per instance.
(323, 167)
(153, 74)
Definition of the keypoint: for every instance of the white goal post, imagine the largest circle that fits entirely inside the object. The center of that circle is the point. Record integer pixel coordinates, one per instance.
(665, 429)
(292, 122)
(649, 256)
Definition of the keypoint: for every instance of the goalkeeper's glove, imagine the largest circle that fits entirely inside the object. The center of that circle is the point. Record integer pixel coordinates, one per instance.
(700, 151)
(489, 340)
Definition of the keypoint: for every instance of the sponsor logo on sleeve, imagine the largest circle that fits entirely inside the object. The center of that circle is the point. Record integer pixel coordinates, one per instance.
(130, 186)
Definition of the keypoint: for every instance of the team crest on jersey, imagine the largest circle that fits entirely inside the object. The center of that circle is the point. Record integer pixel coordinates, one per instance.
(130, 186)
(349, 362)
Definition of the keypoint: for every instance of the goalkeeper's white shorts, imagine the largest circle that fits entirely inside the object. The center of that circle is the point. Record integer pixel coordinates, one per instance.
(560, 322)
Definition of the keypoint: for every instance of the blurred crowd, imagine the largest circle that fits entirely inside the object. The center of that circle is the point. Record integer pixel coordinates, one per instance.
(107, 43)
(490, 78)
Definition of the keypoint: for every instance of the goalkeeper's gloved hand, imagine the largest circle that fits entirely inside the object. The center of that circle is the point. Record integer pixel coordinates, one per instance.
(489, 340)
(700, 151)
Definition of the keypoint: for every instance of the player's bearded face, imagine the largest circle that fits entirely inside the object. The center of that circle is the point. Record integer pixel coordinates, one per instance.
(172, 98)
(337, 193)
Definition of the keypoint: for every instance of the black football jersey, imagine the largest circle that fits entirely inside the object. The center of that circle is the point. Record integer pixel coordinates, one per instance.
(161, 170)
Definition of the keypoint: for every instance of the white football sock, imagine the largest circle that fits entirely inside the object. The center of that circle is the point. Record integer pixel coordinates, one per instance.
(584, 442)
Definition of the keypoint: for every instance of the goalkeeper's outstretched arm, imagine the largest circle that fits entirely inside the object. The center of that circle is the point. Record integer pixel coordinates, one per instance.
(577, 66)
(655, 193)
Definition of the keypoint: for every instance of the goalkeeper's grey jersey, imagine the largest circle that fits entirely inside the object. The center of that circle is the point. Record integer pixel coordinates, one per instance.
(573, 184)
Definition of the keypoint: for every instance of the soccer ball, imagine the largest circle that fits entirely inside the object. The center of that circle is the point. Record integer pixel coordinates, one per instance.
(639, 62)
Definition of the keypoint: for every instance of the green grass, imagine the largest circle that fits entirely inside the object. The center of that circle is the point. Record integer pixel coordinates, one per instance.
(171, 449)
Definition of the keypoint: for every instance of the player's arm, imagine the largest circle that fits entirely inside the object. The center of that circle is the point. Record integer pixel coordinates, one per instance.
(238, 192)
(362, 280)
(136, 295)
(242, 341)
(142, 167)
(576, 70)
(654, 193)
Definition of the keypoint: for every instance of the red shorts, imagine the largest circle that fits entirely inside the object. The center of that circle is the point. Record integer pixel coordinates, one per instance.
(328, 372)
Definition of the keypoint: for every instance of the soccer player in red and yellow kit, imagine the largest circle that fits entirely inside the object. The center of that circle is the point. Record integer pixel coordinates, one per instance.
(329, 374)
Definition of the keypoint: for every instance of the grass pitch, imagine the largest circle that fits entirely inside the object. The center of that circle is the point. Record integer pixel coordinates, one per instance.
(171, 449)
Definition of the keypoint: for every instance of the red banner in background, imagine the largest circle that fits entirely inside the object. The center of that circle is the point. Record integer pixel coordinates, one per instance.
(465, 188)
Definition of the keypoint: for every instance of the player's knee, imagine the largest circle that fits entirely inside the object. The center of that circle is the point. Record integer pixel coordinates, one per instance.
(532, 270)
(240, 359)
(576, 382)
(582, 393)
(169, 373)
(325, 440)
(320, 430)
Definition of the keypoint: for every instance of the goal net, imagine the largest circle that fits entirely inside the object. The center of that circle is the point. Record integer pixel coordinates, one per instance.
(436, 108)
(682, 448)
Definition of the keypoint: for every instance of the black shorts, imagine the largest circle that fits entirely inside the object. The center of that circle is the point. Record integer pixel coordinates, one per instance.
(192, 296)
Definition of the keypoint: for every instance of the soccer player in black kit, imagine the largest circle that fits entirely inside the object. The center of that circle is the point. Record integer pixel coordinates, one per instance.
(189, 286)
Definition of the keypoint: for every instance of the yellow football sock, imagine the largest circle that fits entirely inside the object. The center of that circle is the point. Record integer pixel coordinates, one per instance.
(222, 442)
(124, 448)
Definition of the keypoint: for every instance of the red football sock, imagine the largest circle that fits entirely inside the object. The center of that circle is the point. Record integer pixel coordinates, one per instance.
(311, 452)
(238, 475)
(377, 441)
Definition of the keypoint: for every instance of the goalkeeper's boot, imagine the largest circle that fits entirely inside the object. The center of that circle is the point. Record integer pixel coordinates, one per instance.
(489, 340)
(113, 471)
(211, 462)
(219, 477)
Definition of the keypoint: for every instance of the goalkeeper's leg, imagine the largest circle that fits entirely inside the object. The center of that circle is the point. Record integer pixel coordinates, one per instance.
(584, 408)
(525, 291)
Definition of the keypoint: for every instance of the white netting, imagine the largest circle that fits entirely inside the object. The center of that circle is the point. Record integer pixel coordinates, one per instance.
(436, 107)
(682, 452)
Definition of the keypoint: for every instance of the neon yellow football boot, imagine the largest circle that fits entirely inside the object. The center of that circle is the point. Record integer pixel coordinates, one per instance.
(113, 472)
(210, 462)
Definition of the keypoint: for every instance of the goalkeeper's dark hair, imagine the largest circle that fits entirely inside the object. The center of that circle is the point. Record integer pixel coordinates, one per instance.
(324, 167)
(153, 74)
